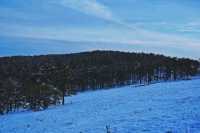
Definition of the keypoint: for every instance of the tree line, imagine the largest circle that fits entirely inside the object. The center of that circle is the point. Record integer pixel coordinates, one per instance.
(36, 82)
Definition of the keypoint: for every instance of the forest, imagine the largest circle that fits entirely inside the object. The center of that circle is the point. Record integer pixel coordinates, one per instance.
(37, 82)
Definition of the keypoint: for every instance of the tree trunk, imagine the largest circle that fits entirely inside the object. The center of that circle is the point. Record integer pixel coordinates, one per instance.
(63, 97)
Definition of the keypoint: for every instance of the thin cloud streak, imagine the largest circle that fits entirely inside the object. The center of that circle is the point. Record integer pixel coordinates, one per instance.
(97, 9)
(100, 35)
(89, 7)
(121, 31)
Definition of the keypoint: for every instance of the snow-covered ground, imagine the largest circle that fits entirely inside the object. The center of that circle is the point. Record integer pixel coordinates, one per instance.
(157, 108)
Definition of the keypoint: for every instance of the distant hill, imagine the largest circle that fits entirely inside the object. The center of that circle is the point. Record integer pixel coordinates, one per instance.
(35, 82)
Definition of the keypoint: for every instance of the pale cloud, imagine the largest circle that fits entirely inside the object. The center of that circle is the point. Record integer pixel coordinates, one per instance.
(106, 34)
(192, 27)
(125, 32)
(97, 9)
(89, 7)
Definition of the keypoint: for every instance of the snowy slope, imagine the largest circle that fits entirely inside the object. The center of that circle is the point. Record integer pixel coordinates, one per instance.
(158, 108)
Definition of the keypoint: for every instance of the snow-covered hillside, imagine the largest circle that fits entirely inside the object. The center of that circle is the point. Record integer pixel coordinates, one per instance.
(157, 108)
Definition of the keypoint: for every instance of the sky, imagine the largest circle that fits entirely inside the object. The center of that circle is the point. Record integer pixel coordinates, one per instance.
(34, 27)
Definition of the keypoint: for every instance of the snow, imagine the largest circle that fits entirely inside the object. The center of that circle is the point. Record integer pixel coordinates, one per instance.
(157, 108)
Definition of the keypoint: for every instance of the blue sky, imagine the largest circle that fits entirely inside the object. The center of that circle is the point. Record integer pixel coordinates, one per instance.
(169, 27)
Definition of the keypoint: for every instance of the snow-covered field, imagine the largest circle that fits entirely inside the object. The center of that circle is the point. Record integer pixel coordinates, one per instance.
(157, 108)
